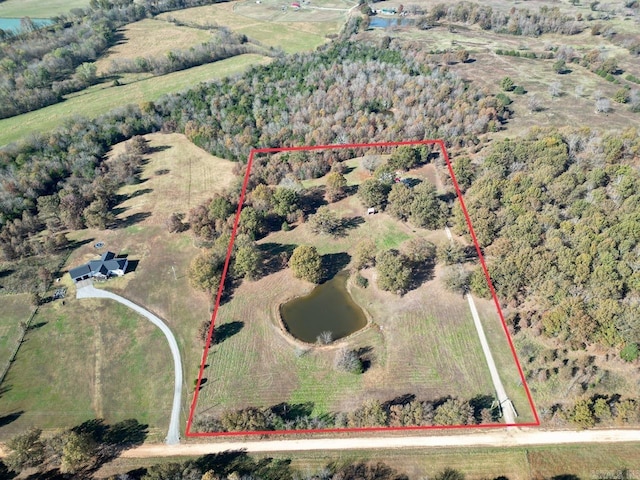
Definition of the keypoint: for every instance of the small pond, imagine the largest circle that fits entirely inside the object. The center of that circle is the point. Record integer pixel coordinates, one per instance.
(14, 23)
(386, 22)
(329, 307)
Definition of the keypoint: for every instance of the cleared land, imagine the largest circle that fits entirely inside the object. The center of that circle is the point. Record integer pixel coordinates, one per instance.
(120, 365)
(101, 98)
(292, 30)
(150, 38)
(423, 343)
(38, 8)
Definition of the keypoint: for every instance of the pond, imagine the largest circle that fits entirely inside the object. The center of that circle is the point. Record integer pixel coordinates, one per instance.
(14, 23)
(386, 22)
(328, 308)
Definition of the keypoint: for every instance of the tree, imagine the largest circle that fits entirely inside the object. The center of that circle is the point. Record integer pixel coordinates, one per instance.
(325, 221)
(394, 274)
(419, 250)
(98, 214)
(306, 264)
(456, 279)
(365, 253)
(220, 208)
(399, 201)
(205, 271)
(534, 103)
(285, 201)
(336, 184)
(373, 193)
(405, 157)
(454, 412)
(262, 198)
(464, 171)
(555, 89)
(450, 474)
(27, 450)
(251, 222)
(348, 361)
(247, 259)
(425, 207)
(175, 224)
(78, 451)
(603, 105)
(507, 84)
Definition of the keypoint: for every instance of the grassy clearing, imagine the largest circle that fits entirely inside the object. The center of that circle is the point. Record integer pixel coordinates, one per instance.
(101, 98)
(136, 370)
(149, 38)
(15, 309)
(38, 8)
(85, 360)
(423, 343)
(267, 23)
(177, 177)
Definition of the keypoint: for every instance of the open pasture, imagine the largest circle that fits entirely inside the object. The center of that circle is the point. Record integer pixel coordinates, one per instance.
(268, 23)
(39, 8)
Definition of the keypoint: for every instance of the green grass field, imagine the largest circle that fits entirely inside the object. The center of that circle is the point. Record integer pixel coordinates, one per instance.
(85, 360)
(38, 8)
(101, 98)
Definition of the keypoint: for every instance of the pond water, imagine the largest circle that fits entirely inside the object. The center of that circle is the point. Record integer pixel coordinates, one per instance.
(14, 23)
(329, 307)
(385, 22)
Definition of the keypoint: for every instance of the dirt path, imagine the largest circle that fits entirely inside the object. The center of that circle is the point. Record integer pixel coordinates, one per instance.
(89, 291)
(511, 437)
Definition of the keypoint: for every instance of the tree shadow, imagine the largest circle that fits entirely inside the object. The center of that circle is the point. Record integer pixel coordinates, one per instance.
(132, 219)
(293, 411)
(365, 354)
(221, 462)
(10, 418)
(36, 326)
(422, 272)
(6, 273)
(484, 402)
(158, 148)
(75, 244)
(312, 200)
(332, 263)
(226, 330)
(399, 400)
(276, 257)
(351, 223)
(6, 473)
(139, 192)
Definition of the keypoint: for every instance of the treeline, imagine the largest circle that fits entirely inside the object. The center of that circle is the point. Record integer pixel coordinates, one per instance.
(404, 411)
(40, 65)
(558, 214)
(515, 22)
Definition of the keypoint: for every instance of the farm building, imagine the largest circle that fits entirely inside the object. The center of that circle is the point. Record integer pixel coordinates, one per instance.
(107, 266)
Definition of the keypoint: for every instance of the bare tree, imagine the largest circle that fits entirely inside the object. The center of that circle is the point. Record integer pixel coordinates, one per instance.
(325, 338)
(535, 104)
(603, 105)
(555, 89)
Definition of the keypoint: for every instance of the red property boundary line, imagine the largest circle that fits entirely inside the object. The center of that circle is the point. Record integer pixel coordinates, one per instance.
(205, 353)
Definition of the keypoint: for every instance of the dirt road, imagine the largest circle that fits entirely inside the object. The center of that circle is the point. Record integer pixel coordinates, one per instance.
(511, 437)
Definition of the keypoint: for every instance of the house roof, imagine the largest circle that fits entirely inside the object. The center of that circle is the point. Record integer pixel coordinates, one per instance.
(107, 263)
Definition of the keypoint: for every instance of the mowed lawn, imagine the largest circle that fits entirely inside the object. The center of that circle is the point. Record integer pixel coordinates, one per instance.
(423, 343)
(101, 98)
(39, 8)
(267, 23)
(53, 380)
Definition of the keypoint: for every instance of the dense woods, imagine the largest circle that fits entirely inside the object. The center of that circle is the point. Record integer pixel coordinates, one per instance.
(558, 214)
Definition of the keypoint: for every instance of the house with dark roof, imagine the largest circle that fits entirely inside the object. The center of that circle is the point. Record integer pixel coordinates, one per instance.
(107, 266)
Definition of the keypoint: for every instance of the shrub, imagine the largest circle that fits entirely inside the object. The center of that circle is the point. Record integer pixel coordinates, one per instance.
(361, 281)
(348, 361)
(630, 352)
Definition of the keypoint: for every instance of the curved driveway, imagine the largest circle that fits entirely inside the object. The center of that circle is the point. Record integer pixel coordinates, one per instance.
(173, 435)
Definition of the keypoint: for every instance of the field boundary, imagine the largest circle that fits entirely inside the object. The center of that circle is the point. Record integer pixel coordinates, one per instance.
(445, 155)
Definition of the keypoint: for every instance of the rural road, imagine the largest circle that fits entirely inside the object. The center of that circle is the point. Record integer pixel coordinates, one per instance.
(173, 435)
(512, 437)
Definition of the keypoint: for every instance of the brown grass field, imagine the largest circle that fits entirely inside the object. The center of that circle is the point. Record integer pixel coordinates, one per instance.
(150, 38)
(120, 364)
(423, 343)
